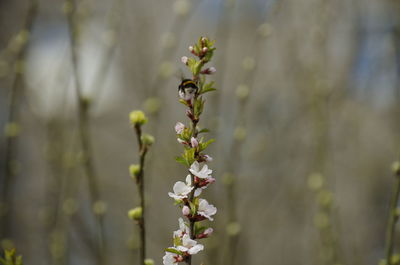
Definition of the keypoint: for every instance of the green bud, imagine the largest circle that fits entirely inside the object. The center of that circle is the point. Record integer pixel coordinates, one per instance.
(137, 117)
(70, 206)
(99, 208)
(12, 129)
(396, 168)
(152, 105)
(135, 214)
(233, 229)
(321, 220)
(148, 262)
(265, 30)
(242, 91)
(248, 63)
(134, 170)
(315, 181)
(239, 134)
(147, 139)
(325, 198)
(228, 179)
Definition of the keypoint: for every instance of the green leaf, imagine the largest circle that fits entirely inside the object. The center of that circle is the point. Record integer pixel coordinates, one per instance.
(198, 107)
(3, 261)
(193, 209)
(204, 130)
(189, 155)
(184, 102)
(199, 229)
(175, 251)
(203, 146)
(207, 88)
(181, 160)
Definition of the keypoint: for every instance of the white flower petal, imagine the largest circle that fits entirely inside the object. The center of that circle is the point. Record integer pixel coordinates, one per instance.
(196, 249)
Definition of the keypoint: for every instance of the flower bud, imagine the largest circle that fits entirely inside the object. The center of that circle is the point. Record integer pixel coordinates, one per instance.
(135, 214)
(184, 59)
(194, 142)
(179, 127)
(148, 262)
(203, 40)
(396, 168)
(147, 139)
(208, 158)
(191, 49)
(208, 231)
(185, 210)
(205, 49)
(134, 170)
(137, 117)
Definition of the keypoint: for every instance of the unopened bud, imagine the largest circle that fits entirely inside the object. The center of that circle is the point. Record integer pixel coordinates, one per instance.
(147, 139)
(185, 210)
(191, 49)
(134, 170)
(135, 214)
(208, 158)
(194, 142)
(184, 59)
(179, 127)
(205, 49)
(137, 117)
(148, 262)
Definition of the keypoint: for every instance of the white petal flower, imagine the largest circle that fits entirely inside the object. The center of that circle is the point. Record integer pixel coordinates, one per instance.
(190, 246)
(171, 258)
(181, 190)
(197, 192)
(183, 229)
(203, 173)
(196, 249)
(206, 210)
(179, 127)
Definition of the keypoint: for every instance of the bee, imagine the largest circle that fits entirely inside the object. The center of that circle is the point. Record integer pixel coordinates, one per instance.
(187, 89)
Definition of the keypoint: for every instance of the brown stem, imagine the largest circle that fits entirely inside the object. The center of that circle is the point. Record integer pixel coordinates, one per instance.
(140, 183)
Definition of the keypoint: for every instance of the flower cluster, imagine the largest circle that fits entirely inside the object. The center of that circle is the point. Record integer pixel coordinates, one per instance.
(186, 193)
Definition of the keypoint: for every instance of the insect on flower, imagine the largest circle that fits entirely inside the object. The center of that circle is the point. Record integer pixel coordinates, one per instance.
(187, 89)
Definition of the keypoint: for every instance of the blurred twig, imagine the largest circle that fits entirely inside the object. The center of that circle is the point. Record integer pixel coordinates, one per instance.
(84, 130)
(12, 126)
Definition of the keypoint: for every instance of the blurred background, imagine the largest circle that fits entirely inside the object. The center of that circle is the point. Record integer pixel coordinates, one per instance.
(306, 121)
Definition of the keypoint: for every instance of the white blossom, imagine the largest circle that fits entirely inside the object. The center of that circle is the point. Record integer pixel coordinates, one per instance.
(190, 246)
(197, 192)
(171, 258)
(179, 127)
(203, 173)
(212, 69)
(183, 229)
(206, 210)
(185, 210)
(181, 190)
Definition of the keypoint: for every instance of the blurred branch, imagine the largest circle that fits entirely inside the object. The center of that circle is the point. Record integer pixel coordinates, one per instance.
(84, 129)
(12, 127)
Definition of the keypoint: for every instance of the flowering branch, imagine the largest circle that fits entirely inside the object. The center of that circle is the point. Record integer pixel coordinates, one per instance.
(138, 119)
(186, 194)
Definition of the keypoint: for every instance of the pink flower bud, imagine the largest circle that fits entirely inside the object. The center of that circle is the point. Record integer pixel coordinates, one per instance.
(212, 69)
(191, 49)
(185, 210)
(205, 49)
(208, 158)
(194, 142)
(208, 231)
(184, 59)
(179, 127)
(203, 40)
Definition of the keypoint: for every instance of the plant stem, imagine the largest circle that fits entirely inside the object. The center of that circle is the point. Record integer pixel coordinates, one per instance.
(84, 133)
(393, 217)
(140, 183)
